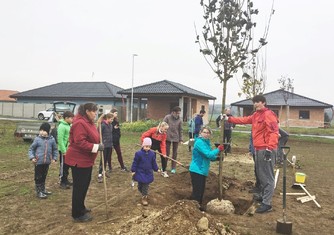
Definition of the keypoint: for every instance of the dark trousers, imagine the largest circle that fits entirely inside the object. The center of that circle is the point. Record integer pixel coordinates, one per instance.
(81, 181)
(175, 146)
(227, 139)
(117, 148)
(198, 184)
(143, 188)
(41, 171)
(156, 147)
(106, 158)
(63, 170)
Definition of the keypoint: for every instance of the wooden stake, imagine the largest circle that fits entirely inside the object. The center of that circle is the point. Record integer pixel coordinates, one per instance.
(276, 177)
(318, 205)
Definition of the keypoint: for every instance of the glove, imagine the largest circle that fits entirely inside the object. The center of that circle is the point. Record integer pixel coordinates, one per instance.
(267, 155)
(221, 148)
(101, 147)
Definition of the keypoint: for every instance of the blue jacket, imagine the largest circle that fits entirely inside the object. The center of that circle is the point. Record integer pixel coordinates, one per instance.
(202, 155)
(143, 165)
(44, 149)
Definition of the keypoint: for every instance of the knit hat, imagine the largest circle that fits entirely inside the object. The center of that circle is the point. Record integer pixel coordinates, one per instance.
(45, 127)
(147, 142)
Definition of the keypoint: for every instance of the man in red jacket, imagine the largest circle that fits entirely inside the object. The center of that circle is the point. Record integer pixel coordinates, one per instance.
(265, 139)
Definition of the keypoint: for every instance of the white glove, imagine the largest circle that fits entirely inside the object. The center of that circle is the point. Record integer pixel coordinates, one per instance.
(225, 117)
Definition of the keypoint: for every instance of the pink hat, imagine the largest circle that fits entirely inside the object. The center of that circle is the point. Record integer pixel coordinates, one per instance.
(147, 142)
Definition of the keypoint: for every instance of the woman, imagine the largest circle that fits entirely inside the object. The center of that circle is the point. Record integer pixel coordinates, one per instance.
(81, 155)
(158, 136)
(200, 163)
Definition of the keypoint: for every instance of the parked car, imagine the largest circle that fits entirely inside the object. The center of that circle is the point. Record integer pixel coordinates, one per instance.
(45, 114)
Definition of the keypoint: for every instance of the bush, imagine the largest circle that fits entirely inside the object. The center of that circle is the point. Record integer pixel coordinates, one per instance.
(139, 126)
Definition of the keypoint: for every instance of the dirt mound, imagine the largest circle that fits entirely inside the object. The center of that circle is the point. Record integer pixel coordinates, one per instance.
(180, 218)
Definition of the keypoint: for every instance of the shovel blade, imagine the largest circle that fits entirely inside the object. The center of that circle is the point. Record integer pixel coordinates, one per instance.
(283, 227)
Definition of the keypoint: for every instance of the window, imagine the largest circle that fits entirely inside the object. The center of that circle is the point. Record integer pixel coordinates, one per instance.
(304, 114)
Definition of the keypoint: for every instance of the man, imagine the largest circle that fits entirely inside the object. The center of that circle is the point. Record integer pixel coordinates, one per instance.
(198, 122)
(174, 134)
(265, 139)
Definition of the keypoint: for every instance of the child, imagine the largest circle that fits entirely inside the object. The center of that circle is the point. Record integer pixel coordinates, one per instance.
(158, 136)
(63, 134)
(142, 168)
(107, 137)
(42, 152)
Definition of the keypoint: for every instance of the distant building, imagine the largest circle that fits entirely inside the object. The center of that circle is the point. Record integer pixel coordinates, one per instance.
(163, 95)
(5, 95)
(292, 109)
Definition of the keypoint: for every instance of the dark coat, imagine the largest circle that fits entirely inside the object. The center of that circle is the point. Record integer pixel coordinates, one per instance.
(143, 165)
(107, 137)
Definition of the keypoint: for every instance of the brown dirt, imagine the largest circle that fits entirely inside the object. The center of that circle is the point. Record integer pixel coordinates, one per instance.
(169, 210)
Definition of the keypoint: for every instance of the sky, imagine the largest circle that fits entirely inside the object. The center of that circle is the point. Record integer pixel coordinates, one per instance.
(43, 42)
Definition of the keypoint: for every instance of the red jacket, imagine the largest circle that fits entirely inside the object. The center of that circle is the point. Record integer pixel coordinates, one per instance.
(264, 128)
(154, 134)
(83, 137)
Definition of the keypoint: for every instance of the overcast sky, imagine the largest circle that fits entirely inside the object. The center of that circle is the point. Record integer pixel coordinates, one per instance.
(43, 42)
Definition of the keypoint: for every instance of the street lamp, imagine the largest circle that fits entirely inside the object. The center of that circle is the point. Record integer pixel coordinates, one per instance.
(133, 75)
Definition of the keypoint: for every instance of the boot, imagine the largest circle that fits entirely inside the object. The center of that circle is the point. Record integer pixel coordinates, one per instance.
(44, 191)
(144, 200)
(39, 192)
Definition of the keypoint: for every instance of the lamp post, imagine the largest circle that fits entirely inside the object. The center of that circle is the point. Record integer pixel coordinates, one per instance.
(133, 75)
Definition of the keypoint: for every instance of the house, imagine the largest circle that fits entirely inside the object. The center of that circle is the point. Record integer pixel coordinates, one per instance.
(30, 102)
(160, 97)
(5, 95)
(293, 110)
(79, 92)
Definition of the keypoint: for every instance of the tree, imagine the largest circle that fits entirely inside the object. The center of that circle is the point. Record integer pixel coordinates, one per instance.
(254, 78)
(286, 84)
(225, 42)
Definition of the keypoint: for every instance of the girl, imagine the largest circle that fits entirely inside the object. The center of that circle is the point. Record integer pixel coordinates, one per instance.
(158, 136)
(142, 168)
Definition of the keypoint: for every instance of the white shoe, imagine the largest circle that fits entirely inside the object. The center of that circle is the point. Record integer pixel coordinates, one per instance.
(164, 174)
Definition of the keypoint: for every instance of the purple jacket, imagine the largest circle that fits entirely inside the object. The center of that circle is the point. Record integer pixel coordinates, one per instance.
(144, 164)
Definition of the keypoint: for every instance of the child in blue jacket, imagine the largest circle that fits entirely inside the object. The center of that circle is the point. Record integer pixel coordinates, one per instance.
(42, 152)
(144, 163)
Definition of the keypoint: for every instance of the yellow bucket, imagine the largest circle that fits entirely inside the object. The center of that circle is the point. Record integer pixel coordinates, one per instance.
(300, 177)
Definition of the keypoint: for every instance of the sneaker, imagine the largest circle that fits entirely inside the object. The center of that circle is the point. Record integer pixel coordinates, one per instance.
(84, 218)
(264, 208)
(173, 171)
(257, 197)
(100, 179)
(124, 169)
(41, 195)
(164, 174)
(144, 201)
(64, 186)
(46, 192)
(68, 183)
(107, 174)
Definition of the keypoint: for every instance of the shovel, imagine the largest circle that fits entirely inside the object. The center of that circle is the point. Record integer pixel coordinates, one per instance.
(283, 226)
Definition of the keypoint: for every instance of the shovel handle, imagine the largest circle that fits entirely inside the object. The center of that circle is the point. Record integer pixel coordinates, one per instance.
(285, 149)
